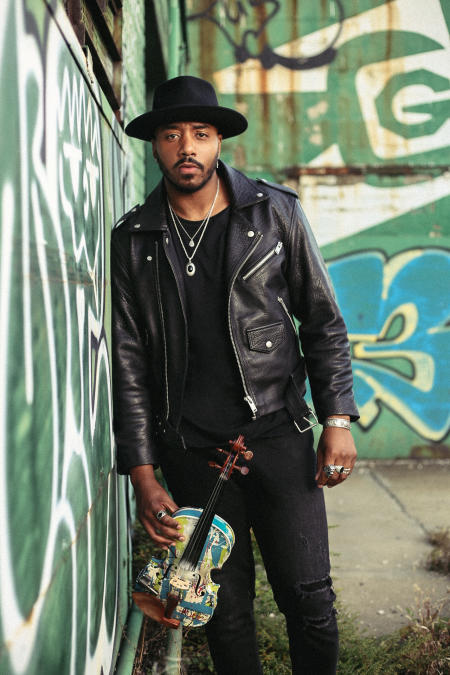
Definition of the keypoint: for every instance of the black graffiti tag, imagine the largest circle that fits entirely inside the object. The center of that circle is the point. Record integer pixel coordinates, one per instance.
(262, 12)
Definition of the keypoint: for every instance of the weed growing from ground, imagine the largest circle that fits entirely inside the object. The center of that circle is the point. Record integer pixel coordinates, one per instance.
(420, 648)
(439, 558)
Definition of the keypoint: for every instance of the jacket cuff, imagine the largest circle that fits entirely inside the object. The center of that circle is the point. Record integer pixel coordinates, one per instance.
(341, 408)
(127, 458)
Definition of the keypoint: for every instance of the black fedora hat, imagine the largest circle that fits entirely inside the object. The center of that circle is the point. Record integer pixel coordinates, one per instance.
(186, 99)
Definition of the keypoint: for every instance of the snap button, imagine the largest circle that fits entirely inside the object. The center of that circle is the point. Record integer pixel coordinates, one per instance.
(269, 344)
(149, 257)
(167, 240)
(137, 225)
(259, 194)
(250, 233)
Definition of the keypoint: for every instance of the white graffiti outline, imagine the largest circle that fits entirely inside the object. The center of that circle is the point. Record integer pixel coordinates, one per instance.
(42, 183)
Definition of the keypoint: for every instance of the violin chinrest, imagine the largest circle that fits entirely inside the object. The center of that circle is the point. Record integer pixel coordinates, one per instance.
(154, 608)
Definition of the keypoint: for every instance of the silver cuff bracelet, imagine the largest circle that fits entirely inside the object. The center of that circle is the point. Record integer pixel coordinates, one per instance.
(337, 422)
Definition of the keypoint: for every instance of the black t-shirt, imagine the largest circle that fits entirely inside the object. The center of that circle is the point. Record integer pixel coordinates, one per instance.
(214, 410)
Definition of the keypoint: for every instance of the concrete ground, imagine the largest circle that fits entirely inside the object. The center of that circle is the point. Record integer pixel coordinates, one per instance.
(379, 520)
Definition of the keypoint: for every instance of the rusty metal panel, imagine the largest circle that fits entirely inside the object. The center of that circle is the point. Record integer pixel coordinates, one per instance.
(348, 102)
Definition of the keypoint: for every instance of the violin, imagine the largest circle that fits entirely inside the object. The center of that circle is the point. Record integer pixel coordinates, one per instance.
(177, 588)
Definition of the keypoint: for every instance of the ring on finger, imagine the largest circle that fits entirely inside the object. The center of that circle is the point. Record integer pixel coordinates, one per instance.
(329, 470)
(345, 470)
(160, 515)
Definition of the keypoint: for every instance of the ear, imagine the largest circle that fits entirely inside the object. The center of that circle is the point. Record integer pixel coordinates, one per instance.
(154, 152)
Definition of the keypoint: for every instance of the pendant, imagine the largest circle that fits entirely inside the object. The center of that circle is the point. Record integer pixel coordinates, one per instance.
(190, 269)
(191, 243)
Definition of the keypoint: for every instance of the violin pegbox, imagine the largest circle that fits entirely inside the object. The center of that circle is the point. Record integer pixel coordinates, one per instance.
(237, 450)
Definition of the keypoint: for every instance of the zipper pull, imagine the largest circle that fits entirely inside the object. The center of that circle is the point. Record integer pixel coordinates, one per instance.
(252, 405)
(278, 247)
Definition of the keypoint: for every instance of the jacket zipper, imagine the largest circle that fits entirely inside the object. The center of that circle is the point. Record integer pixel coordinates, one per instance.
(283, 304)
(158, 291)
(247, 398)
(263, 260)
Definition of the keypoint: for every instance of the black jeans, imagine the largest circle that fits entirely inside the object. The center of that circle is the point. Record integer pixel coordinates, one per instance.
(280, 501)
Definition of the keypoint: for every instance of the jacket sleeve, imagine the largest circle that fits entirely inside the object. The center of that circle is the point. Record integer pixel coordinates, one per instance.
(322, 331)
(130, 365)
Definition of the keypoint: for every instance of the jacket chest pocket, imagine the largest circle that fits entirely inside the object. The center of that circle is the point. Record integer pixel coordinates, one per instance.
(256, 267)
(266, 338)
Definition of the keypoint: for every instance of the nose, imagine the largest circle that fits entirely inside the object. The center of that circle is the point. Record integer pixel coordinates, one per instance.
(186, 146)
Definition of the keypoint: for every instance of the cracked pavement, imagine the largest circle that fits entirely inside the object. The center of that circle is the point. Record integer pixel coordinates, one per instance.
(378, 523)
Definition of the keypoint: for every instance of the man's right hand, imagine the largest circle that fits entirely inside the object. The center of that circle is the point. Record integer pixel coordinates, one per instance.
(151, 498)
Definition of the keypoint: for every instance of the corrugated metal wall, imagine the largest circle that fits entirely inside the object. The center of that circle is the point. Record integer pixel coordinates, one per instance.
(348, 102)
(66, 174)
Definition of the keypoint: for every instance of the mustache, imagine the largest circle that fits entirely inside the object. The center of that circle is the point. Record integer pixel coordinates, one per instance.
(188, 160)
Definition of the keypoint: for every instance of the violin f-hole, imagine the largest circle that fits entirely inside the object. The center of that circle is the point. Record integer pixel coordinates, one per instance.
(197, 585)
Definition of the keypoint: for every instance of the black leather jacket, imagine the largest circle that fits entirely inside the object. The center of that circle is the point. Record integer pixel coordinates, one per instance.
(275, 272)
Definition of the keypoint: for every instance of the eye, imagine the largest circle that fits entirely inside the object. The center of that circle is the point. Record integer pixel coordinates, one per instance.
(202, 134)
(172, 136)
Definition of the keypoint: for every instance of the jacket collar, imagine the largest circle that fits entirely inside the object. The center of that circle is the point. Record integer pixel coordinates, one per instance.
(153, 215)
(243, 192)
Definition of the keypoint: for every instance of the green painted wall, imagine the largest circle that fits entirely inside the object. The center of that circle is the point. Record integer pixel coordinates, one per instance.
(134, 96)
(64, 180)
(348, 102)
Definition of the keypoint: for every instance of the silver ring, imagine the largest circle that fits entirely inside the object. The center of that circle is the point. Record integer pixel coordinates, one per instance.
(160, 515)
(329, 470)
(338, 468)
(344, 470)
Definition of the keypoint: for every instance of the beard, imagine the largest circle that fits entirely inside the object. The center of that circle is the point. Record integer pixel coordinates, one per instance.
(186, 187)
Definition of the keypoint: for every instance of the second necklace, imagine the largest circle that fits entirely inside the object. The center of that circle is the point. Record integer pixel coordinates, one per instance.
(190, 267)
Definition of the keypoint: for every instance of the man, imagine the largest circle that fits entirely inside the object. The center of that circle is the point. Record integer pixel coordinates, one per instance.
(207, 276)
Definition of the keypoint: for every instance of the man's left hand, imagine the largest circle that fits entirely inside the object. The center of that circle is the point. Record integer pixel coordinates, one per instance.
(336, 448)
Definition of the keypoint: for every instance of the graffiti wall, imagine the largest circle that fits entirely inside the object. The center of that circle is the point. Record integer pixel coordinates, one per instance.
(348, 102)
(63, 518)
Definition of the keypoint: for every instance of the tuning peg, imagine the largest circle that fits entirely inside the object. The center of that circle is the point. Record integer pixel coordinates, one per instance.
(248, 454)
(214, 465)
(243, 469)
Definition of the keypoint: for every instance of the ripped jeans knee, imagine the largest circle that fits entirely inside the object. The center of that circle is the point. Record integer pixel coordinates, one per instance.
(312, 627)
(309, 603)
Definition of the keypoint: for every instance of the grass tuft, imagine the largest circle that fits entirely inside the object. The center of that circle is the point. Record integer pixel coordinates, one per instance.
(439, 558)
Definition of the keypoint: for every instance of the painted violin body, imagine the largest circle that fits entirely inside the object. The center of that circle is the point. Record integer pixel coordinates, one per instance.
(198, 592)
(177, 588)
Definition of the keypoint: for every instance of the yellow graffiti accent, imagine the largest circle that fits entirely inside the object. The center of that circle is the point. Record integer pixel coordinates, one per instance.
(369, 411)
(393, 267)
(423, 363)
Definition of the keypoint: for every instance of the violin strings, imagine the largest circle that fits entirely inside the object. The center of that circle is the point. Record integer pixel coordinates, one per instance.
(192, 551)
(202, 527)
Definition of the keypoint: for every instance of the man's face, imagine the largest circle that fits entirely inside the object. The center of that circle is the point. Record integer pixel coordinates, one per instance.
(187, 153)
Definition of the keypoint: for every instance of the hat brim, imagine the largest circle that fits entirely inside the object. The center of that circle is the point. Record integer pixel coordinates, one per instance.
(228, 122)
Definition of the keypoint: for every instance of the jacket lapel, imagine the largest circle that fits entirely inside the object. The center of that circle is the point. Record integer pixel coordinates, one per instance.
(242, 232)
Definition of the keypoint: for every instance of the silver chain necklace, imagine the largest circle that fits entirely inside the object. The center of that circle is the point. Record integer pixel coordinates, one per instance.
(191, 241)
(190, 267)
